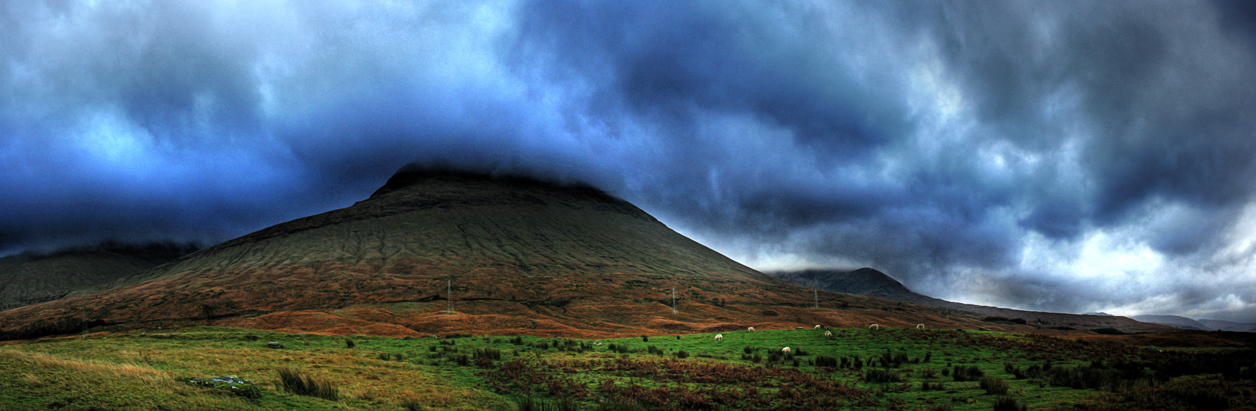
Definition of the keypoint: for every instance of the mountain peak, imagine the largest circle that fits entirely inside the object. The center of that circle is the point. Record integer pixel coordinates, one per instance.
(417, 173)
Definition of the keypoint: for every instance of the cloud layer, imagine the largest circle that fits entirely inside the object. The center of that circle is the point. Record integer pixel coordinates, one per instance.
(1067, 156)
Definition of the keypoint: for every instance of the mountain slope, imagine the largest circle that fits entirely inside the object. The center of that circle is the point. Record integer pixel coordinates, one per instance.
(870, 282)
(1172, 321)
(519, 255)
(31, 278)
(1228, 325)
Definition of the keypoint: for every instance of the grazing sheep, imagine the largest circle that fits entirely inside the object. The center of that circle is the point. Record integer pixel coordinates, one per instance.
(817, 326)
(785, 350)
(920, 326)
(828, 334)
(874, 327)
(750, 329)
(719, 337)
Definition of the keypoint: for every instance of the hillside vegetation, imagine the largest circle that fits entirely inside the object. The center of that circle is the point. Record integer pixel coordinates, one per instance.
(32, 278)
(907, 369)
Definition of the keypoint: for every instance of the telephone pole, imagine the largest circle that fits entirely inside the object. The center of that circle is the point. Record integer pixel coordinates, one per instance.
(816, 293)
(449, 294)
(674, 310)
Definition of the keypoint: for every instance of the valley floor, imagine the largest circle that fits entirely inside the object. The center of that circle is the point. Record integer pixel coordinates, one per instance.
(907, 369)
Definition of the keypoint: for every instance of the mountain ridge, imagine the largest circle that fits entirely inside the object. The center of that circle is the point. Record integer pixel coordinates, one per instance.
(871, 282)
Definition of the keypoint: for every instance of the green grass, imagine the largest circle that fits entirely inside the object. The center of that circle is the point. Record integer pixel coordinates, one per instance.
(149, 369)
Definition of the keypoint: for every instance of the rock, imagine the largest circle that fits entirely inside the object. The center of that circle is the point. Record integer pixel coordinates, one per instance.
(274, 344)
(229, 384)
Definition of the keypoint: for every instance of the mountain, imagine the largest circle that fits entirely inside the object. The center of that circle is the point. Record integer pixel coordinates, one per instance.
(1228, 326)
(1172, 321)
(32, 278)
(870, 282)
(508, 254)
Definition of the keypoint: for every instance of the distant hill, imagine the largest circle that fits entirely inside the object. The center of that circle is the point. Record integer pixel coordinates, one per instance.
(440, 251)
(870, 282)
(1172, 321)
(32, 278)
(1228, 326)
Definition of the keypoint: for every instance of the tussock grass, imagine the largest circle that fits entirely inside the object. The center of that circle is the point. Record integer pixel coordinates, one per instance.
(298, 383)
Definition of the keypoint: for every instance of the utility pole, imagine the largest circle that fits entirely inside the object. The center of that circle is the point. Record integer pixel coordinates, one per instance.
(674, 310)
(816, 293)
(449, 294)
(83, 311)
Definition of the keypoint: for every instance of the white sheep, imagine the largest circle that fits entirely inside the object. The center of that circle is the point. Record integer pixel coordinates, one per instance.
(828, 334)
(750, 329)
(817, 326)
(719, 337)
(785, 350)
(874, 327)
(920, 326)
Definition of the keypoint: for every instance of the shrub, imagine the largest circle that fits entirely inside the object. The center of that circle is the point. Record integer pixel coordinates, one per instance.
(682, 354)
(517, 341)
(1008, 404)
(994, 386)
(748, 350)
(756, 358)
(614, 405)
(384, 356)
(411, 405)
(488, 353)
(969, 373)
(461, 359)
(645, 339)
(295, 382)
(883, 376)
(826, 361)
(654, 350)
(932, 386)
(349, 343)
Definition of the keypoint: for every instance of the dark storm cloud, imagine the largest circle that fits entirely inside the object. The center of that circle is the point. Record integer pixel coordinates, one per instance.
(1000, 152)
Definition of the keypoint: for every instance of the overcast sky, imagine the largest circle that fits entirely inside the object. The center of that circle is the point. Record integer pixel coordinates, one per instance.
(1044, 155)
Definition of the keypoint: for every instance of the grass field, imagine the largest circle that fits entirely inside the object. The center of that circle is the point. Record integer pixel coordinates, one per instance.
(903, 369)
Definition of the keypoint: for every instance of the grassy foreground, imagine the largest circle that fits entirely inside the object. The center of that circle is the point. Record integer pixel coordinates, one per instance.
(905, 369)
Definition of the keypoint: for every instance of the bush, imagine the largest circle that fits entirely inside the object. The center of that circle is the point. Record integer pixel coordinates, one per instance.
(682, 354)
(488, 353)
(295, 382)
(826, 361)
(654, 350)
(883, 376)
(934, 386)
(756, 358)
(970, 373)
(412, 405)
(1008, 404)
(994, 386)
(748, 350)
(461, 359)
(614, 405)
(349, 343)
